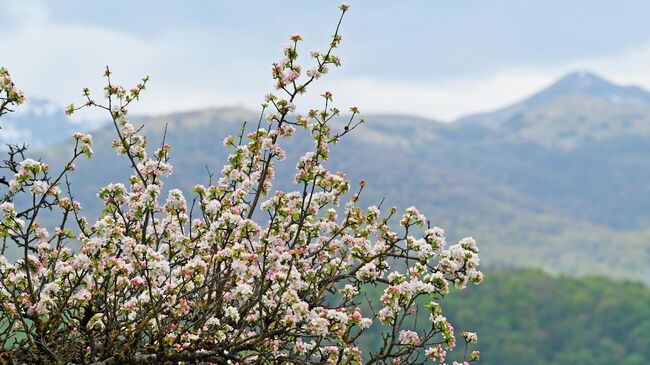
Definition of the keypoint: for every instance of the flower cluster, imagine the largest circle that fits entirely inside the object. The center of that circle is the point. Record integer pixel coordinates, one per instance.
(86, 141)
(158, 280)
(9, 94)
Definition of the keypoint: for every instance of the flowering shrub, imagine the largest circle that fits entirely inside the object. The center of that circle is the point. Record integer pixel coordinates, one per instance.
(236, 274)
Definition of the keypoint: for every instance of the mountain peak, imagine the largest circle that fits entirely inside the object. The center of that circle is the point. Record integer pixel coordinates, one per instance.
(587, 84)
(581, 76)
(580, 83)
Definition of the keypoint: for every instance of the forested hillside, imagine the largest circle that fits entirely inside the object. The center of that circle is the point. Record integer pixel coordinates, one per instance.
(560, 184)
(527, 317)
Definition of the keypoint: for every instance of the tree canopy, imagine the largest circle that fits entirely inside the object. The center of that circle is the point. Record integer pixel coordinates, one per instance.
(236, 274)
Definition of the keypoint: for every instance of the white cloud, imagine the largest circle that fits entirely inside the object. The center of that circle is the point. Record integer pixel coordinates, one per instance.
(454, 98)
(56, 60)
(445, 101)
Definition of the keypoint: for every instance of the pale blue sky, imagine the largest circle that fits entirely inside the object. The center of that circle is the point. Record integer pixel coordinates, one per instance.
(435, 58)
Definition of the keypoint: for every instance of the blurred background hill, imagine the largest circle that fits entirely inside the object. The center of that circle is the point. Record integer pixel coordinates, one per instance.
(558, 181)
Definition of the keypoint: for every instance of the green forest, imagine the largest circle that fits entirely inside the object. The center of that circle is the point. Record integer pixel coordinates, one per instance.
(529, 317)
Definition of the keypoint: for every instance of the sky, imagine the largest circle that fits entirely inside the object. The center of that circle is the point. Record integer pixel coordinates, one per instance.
(439, 59)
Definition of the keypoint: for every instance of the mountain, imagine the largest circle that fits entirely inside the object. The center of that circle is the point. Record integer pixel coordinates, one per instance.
(563, 186)
(577, 85)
